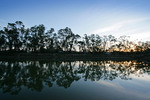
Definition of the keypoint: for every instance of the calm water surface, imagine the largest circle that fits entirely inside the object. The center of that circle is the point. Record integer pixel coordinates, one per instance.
(78, 80)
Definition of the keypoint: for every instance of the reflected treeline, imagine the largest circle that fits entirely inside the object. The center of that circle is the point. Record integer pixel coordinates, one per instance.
(35, 75)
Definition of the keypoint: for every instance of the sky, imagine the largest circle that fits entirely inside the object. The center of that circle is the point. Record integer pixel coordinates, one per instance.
(103, 17)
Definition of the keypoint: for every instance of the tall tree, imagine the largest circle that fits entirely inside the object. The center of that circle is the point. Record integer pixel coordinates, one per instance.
(37, 37)
(2, 40)
(67, 39)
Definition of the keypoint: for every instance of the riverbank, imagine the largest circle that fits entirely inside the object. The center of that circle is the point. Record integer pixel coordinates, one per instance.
(71, 57)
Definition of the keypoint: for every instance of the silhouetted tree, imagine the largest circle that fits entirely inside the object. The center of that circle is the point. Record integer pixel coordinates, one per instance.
(16, 37)
(2, 40)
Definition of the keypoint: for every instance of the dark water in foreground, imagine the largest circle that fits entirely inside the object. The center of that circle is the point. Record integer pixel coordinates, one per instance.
(79, 80)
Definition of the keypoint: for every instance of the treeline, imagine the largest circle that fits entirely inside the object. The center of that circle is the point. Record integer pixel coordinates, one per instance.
(16, 38)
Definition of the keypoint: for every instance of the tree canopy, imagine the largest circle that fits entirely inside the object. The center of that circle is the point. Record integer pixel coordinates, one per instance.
(15, 37)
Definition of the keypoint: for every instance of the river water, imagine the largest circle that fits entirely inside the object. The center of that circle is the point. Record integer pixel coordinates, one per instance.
(76, 80)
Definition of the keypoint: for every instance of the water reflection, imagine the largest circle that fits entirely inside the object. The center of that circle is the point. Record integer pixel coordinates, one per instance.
(36, 74)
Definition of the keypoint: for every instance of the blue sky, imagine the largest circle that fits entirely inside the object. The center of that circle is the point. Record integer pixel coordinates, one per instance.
(103, 17)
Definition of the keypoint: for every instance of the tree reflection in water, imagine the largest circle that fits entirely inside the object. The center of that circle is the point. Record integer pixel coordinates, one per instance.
(35, 74)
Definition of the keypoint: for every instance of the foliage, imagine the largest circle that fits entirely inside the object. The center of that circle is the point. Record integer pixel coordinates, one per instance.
(16, 38)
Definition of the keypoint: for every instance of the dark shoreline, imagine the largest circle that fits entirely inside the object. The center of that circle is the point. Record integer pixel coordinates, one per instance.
(72, 57)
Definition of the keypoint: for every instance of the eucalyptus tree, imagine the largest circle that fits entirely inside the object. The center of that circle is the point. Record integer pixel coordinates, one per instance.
(146, 45)
(14, 34)
(91, 43)
(125, 43)
(37, 37)
(111, 42)
(26, 42)
(34, 38)
(16, 37)
(56, 42)
(21, 30)
(87, 42)
(62, 35)
(81, 46)
(104, 42)
(51, 41)
(41, 34)
(73, 42)
(92, 40)
(2, 40)
(67, 39)
(98, 43)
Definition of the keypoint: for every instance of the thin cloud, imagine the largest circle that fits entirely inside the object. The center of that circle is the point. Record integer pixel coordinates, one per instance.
(118, 26)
